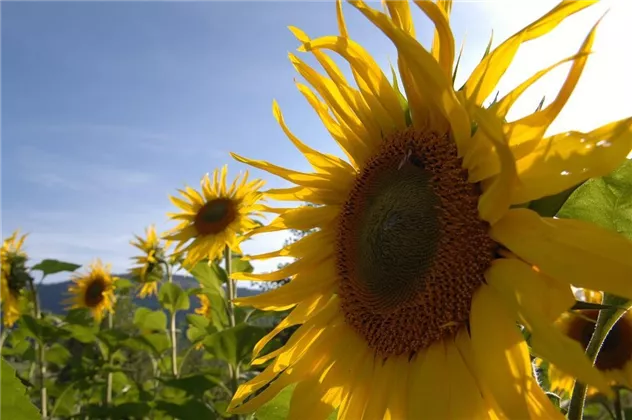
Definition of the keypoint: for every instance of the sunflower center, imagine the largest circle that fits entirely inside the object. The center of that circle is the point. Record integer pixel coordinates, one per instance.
(616, 350)
(215, 216)
(411, 249)
(94, 294)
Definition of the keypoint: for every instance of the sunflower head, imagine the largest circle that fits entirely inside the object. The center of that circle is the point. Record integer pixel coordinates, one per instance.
(149, 269)
(93, 290)
(214, 218)
(15, 277)
(205, 306)
(422, 257)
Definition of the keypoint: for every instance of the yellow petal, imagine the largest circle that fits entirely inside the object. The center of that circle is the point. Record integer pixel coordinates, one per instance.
(571, 251)
(565, 160)
(342, 27)
(466, 400)
(429, 387)
(354, 402)
(443, 42)
(372, 82)
(428, 75)
(488, 72)
(397, 404)
(525, 132)
(500, 352)
(527, 288)
(400, 13)
(302, 218)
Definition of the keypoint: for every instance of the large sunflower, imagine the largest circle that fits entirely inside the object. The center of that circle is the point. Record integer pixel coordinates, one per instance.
(15, 277)
(409, 291)
(149, 270)
(615, 356)
(93, 290)
(215, 218)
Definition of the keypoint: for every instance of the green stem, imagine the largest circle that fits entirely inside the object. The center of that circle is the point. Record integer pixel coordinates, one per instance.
(605, 321)
(3, 336)
(108, 392)
(232, 294)
(172, 328)
(618, 408)
(41, 352)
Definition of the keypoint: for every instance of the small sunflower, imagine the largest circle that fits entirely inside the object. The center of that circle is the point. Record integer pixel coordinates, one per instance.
(15, 277)
(93, 290)
(409, 290)
(149, 270)
(205, 310)
(615, 356)
(215, 218)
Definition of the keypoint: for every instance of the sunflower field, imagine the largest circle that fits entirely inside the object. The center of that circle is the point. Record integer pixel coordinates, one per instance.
(449, 264)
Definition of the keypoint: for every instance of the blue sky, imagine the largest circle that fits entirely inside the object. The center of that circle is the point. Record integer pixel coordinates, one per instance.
(108, 107)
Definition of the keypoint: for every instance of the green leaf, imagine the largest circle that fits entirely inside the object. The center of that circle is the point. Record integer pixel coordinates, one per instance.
(14, 404)
(156, 343)
(549, 206)
(194, 385)
(58, 355)
(238, 265)
(210, 276)
(53, 266)
(123, 284)
(190, 409)
(605, 201)
(234, 344)
(173, 298)
(80, 316)
(82, 333)
(40, 329)
(150, 321)
(278, 407)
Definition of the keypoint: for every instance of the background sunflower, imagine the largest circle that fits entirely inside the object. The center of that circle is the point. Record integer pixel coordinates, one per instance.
(215, 218)
(93, 290)
(149, 270)
(15, 277)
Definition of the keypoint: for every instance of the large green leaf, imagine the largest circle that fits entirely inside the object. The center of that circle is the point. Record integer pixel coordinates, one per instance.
(278, 407)
(173, 298)
(14, 404)
(150, 321)
(194, 385)
(58, 355)
(190, 409)
(53, 266)
(549, 206)
(210, 276)
(234, 344)
(605, 201)
(238, 265)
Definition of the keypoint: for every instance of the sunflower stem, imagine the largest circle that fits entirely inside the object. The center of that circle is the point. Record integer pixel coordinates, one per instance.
(232, 294)
(605, 321)
(108, 390)
(619, 413)
(41, 350)
(172, 328)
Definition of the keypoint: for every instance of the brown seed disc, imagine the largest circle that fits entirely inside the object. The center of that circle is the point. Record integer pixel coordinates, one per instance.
(215, 216)
(616, 350)
(94, 294)
(411, 249)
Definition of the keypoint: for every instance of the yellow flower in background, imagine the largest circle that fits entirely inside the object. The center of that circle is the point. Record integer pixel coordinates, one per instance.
(215, 218)
(205, 307)
(15, 277)
(93, 290)
(409, 290)
(615, 356)
(149, 271)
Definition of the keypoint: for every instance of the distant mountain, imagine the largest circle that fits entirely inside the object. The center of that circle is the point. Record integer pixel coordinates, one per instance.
(53, 295)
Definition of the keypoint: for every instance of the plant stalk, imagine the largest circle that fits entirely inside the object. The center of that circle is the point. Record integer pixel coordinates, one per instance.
(606, 319)
(172, 329)
(41, 353)
(232, 294)
(108, 390)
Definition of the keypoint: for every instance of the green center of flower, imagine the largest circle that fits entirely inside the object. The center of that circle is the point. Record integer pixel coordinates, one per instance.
(94, 294)
(215, 216)
(411, 249)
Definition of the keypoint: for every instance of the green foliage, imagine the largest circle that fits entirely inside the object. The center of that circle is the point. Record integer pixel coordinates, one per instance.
(173, 298)
(549, 206)
(150, 321)
(48, 267)
(605, 201)
(234, 344)
(14, 403)
(278, 407)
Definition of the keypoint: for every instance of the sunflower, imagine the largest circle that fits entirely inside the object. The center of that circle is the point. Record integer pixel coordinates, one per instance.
(409, 291)
(15, 277)
(149, 270)
(216, 218)
(93, 290)
(615, 356)
(205, 310)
